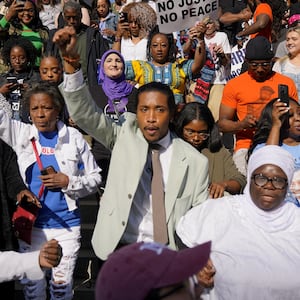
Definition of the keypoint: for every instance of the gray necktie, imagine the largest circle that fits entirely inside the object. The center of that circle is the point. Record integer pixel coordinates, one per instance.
(160, 230)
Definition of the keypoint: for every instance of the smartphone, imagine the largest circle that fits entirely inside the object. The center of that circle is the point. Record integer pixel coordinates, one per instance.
(123, 17)
(12, 79)
(283, 93)
(48, 170)
(20, 2)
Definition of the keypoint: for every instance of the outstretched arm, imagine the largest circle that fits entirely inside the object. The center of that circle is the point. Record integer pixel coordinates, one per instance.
(228, 18)
(65, 39)
(197, 33)
(81, 106)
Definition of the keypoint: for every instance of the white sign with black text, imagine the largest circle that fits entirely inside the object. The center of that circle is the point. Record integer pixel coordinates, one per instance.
(175, 15)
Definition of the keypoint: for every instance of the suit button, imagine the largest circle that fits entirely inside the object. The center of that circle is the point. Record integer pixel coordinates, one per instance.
(123, 223)
(129, 196)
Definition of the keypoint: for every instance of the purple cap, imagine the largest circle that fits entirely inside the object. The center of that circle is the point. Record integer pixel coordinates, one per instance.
(136, 269)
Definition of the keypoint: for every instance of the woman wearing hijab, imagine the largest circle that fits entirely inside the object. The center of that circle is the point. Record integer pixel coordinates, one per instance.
(255, 236)
(114, 95)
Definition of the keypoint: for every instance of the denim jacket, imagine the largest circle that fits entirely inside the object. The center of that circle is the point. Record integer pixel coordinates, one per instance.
(110, 22)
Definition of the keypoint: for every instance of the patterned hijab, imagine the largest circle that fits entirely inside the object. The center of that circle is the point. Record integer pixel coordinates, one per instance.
(114, 88)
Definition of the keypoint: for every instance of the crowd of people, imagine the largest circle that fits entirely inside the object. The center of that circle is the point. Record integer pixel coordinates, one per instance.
(189, 139)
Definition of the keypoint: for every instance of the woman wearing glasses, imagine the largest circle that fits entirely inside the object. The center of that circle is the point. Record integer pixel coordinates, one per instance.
(19, 56)
(22, 18)
(195, 124)
(255, 236)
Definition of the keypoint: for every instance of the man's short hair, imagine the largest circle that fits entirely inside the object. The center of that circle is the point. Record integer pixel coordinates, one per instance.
(158, 87)
(72, 5)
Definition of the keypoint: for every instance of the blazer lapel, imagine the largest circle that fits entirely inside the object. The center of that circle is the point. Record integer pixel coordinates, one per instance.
(178, 168)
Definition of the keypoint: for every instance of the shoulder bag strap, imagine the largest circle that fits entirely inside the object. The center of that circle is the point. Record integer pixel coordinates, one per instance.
(39, 162)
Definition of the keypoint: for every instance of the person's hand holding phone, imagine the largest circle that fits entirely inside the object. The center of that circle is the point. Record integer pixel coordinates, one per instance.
(122, 27)
(52, 179)
(16, 7)
(123, 17)
(7, 88)
(283, 95)
(278, 111)
(12, 83)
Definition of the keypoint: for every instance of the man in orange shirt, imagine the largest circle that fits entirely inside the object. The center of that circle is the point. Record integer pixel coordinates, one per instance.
(262, 20)
(245, 96)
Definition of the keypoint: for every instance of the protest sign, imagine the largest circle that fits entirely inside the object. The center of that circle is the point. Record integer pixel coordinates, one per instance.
(175, 15)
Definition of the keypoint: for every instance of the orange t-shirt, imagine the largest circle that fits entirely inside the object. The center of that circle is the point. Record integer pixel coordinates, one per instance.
(247, 96)
(265, 9)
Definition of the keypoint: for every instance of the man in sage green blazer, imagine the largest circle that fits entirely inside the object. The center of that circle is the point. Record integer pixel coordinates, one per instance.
(187, 181)
(125, 214)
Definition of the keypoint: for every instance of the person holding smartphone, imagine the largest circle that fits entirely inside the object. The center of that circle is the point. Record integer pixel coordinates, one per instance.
(22, 19)
(245, 96)
(19, 55)
(279, 124)
(136, 20)
(57, 165)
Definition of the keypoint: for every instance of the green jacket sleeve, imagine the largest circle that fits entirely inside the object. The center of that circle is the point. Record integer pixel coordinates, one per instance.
(4, 24)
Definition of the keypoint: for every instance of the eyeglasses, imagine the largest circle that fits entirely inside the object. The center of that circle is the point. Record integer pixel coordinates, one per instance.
(264, 65)
(191, 133)
(18, 59)
(279, 183)
(30, 11)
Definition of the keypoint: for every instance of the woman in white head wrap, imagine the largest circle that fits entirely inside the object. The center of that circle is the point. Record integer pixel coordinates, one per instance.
(255, 236)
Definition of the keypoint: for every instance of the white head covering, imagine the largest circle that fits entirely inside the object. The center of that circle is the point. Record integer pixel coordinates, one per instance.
(281, 217)
(273, 155)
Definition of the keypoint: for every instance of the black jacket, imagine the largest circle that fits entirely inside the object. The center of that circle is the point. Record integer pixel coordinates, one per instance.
(11, 183)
